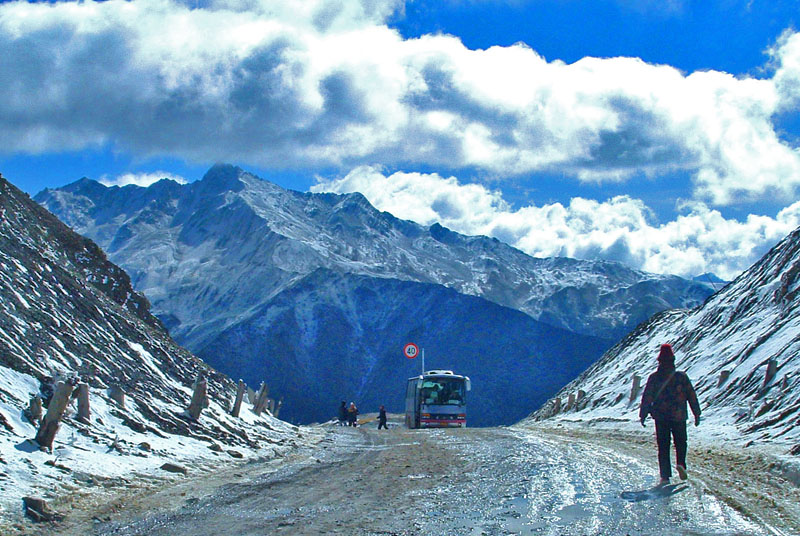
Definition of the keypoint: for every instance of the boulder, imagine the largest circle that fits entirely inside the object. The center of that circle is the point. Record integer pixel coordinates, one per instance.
(174, 468)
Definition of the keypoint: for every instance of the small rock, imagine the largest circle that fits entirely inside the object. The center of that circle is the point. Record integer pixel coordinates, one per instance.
(145, 446)
(37, 509)
(236, 454)
(215, 447)
(58, 466)
(174, 468)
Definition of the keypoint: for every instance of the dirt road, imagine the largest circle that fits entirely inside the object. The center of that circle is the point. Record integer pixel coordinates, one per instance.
(359, 481)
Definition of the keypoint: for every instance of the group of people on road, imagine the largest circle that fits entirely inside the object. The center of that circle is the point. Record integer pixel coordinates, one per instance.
(348, 415)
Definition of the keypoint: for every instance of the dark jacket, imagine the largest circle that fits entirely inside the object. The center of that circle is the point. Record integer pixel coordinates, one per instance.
(666, 394)
(382, 415)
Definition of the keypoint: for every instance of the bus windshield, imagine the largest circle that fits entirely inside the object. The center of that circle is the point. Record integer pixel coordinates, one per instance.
(443, 391)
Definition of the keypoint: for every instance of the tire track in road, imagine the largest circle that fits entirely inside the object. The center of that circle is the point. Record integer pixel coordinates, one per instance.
(492, 481)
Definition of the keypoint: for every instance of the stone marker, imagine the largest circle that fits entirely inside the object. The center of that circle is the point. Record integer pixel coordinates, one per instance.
(772, 369)
(84, 413)
(199, 398)
(723, 377)
(261, 399)
(55, 411)
(636, 387)
(117, 394)
(237, 405)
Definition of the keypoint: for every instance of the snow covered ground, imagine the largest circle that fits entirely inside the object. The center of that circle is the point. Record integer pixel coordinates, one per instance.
(67, 314)
(89, 462)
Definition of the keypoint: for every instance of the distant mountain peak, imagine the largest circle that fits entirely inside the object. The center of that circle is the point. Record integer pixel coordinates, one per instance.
(222, 177)
(85, 186)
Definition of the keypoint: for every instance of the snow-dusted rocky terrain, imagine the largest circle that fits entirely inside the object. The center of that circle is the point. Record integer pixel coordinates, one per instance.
(740, 349)
(220, 257)
(67, 313)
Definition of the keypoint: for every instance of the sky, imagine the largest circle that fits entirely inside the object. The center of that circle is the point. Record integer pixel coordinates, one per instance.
(664, 134)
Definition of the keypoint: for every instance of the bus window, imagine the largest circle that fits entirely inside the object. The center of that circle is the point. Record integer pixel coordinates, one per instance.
(443, 392)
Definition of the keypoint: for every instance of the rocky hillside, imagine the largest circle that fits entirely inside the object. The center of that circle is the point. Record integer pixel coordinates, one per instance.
(741, 349)
(212, 256)
(67, 313)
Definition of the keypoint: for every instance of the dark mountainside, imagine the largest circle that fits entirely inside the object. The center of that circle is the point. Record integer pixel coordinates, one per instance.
(307, 337)
(67, 312)
(215, 257)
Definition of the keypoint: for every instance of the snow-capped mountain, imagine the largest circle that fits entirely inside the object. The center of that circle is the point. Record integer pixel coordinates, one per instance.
(67, 313)
(740, 349)
(213, 255)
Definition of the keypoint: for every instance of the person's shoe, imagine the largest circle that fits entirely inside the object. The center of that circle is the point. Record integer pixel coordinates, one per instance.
(681, 472)
(663, 482)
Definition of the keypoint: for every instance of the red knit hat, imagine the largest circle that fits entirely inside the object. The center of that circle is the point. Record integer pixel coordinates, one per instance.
(666, 354)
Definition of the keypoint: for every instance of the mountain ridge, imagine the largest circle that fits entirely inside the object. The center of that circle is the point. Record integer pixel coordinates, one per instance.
(209, 254)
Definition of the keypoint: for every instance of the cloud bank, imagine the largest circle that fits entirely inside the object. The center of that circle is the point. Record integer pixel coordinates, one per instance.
(304, 83)
(323, 83)
(700, 240)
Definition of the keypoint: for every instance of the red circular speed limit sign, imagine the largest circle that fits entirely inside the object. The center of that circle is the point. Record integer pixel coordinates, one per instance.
(411, 350)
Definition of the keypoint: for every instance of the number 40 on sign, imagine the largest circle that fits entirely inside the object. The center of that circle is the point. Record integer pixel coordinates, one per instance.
(411, 350)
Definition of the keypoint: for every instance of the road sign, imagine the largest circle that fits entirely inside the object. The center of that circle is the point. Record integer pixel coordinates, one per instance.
(411, 350)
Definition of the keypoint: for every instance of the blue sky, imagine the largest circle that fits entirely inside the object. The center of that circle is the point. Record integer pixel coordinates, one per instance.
(663, 134)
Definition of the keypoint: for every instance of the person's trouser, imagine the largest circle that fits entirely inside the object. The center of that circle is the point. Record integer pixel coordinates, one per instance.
(382, 423)
(665, 430)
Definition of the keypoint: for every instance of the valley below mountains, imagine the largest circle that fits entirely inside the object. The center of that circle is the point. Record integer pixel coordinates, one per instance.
(315, 294)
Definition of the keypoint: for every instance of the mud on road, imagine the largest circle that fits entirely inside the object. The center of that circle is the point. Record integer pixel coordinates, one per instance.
(498, 481)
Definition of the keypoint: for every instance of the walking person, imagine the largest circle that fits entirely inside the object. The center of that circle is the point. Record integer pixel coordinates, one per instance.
(382, 418)
(665, 397)
(352, 415)
(342, 413)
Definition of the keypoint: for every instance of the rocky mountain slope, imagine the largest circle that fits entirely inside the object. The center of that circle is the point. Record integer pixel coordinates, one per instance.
(213, 255)
(67, 313)
(740, 348)
(309, 336)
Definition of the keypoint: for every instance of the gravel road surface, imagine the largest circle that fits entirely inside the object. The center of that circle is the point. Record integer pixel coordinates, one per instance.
(479, 481)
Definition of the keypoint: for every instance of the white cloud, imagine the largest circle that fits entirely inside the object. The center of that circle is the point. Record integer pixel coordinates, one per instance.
(278, 83)
(786, 55)
(141, 179)
(623, 229)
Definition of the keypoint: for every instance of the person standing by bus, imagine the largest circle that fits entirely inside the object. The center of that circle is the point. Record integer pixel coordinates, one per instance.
(382, 418)
(352, 414)
(665, 396)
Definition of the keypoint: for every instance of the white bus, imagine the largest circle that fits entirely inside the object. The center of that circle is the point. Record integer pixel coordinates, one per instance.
(437, 399)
